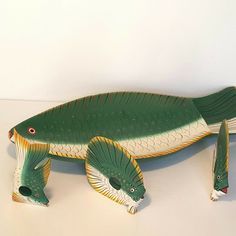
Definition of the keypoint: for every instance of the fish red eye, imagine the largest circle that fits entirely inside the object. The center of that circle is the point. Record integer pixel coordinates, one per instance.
(31, 130)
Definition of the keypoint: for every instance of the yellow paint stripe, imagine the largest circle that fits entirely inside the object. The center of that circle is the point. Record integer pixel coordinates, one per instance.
(101, 189)
(66, 155)
(17, 198)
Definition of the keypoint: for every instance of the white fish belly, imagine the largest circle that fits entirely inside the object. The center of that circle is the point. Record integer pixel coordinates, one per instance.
(143, 147)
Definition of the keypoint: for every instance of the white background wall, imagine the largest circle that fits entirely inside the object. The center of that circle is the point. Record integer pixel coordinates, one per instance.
(60, 50)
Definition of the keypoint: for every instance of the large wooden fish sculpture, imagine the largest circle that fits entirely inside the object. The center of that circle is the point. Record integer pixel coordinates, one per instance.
(111, 132)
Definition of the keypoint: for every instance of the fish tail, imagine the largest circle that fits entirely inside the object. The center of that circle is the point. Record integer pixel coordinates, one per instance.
(217, 107)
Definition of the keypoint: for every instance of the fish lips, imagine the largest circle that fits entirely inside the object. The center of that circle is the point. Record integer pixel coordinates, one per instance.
(224, 190)
(11, 135)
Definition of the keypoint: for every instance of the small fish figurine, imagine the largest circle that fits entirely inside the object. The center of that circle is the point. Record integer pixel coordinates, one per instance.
(110, 132)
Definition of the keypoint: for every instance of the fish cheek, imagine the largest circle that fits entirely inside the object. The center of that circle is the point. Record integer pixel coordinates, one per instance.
(32, 185)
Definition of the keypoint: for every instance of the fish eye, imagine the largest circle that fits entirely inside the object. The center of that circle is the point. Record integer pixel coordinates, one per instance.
(131, 190)
(25, 191)
(31, 130)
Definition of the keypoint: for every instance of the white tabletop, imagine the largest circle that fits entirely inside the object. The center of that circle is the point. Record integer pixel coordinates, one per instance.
(176, 203)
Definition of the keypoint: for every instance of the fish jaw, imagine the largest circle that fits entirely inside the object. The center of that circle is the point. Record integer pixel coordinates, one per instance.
(21, 199)
(133, 206)
(216, 194)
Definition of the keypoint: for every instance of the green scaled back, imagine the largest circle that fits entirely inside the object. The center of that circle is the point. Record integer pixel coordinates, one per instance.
(118, 116)
(110, 169)
(222, 158)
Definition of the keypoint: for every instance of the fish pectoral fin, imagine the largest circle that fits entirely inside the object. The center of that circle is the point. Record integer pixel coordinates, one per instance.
(36, 155)
(113, 172)
(38, 160)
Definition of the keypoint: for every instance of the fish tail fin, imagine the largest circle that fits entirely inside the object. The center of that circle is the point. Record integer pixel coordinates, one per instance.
(217, 107)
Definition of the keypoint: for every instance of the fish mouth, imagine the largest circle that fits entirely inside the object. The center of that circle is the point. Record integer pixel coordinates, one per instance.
(133, 206)
(132, 209)
(10, 135)
(224, 190)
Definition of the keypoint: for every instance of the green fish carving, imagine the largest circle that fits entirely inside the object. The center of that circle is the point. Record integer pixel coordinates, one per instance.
(110, 132)
(221, 163)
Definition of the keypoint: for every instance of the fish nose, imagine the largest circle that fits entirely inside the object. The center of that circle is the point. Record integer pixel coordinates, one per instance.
(142, 197)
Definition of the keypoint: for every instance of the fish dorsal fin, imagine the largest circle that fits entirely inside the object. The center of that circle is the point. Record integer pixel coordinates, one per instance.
(112, 171)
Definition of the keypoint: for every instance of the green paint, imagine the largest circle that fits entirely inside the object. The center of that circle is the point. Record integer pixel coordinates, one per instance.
(115, 183)
(222, 158)
(34, 180)
(117, 165)
(218, 106)
(25, 191)
(116, 116)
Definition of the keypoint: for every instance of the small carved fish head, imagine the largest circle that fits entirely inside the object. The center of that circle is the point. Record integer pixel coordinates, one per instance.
(221, 181)
(31, 196)
(29, 184)
(113, 172)
(34, 128)
(32, 172)
(136, 192)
